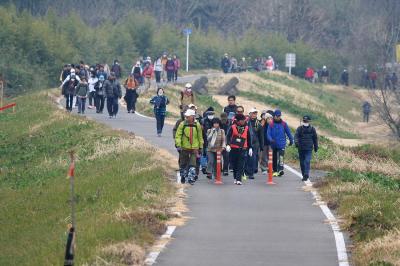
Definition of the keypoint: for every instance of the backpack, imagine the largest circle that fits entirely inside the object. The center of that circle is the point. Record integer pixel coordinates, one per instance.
(170, 65)
(136, 70)
(132, 83)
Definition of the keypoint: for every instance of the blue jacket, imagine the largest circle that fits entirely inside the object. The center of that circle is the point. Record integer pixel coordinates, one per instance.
(160, 104)
(276, 134)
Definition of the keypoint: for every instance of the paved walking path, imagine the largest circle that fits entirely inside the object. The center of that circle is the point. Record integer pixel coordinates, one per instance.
(252, 224)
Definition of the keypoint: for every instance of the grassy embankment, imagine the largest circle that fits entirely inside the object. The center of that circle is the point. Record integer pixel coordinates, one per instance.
(123, 195)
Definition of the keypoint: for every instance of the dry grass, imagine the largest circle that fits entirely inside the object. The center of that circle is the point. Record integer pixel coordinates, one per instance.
(385, 249)
(345, 159)
(125, 253)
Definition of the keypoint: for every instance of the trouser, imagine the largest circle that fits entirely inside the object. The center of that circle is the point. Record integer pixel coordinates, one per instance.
(225, 69)
(158, 76)
(366, 117)
(211, 162)
(160, 123)
(325, 79)
(373, 84)
(170, 75)
(163, 73)
(147, 83)
(187, 164)
(225, 156)
(176, 75)
(264, 158)
(305, 162)
(131, 97)
(99, 102)
(277, 159)
(251, 166)
(81, 104)
(237, 158)
(92, 95)
(69, 99)
(112, 105)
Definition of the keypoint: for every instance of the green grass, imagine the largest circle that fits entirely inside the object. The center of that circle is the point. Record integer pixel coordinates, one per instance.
(319, 119)
(34, 191)
(336, 102)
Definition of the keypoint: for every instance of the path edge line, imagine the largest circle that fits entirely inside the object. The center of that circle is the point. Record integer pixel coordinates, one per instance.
(339, 238)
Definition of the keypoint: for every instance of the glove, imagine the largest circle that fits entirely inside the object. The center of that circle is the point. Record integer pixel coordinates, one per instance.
(228, 148)
(250, 152)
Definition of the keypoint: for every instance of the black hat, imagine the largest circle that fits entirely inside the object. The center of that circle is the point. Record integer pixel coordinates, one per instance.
(306, 118)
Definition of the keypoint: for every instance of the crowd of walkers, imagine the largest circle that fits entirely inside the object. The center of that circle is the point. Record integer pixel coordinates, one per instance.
(229, 64)
(244, 141)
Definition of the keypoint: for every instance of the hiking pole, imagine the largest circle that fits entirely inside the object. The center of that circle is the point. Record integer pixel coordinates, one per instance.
(218, 180)
(69, 251)
(270, 181)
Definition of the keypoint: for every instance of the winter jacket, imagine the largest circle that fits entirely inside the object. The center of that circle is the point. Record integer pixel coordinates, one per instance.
(177, 63)
(116, 68)
(158, 66)
(230, 138)
(219, 135)
(225, 62)
(230, 109)
(186, 98)
(69, 87)
(306, 138)
(92, 82)
(148, 72)
(99, 88)
(189, 137)
(112, 88)
(82, 90)
(276, 134)
(160, 104)
(102, 73)
(170, 65)
(257, 134)
(366, 107)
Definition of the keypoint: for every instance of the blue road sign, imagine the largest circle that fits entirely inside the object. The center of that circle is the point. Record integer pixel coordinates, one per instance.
(187, 31)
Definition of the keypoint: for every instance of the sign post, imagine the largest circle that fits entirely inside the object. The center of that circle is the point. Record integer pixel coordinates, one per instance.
(187, 32)
(290, 62)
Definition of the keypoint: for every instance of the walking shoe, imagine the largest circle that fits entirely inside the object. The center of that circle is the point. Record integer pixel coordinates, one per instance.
(191, 182)
(129, 111)
(251, 177)
(305, 178)
(225, 173)
(265, 172)
(183, 180)
(196, 177)
(275, 174)
(238, 183)
(281, 173)
(209, 176)
(235, 182)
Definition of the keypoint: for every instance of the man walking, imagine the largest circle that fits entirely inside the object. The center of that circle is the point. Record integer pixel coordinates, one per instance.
(306, 140)
(277, 132)
(188, 141)
(113, 93)
(257, 138)
(366, 110)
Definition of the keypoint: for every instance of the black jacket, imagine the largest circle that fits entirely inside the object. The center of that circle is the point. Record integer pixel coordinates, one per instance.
(112, 88)
(306, 138)
(230, 108)
(257, 134)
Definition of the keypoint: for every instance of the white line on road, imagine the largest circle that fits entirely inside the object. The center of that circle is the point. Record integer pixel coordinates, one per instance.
(339, 238)
(152, 256)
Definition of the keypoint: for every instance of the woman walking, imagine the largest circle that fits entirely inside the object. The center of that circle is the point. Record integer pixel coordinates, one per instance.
(160, 102)
(216, 143)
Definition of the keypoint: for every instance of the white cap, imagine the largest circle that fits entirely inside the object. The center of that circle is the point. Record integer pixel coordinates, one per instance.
(269, 57)
(72, 70)
(188, 85)
(192, 105)
(148, 58)
(190, 112)
(253, 110)
(324, 67)
(137, 63)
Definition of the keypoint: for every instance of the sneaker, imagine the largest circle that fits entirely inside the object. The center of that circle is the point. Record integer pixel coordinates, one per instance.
(235, 182)
(133, 111)
(196, 177)
(275, 174)
(281, 173)
(305, 178)
(264, 172)
(191, 182)
(158, 135)
(129, 111)
(204, 170)
(239, 183)
(225, 173)
(183, 180)
(209, 176)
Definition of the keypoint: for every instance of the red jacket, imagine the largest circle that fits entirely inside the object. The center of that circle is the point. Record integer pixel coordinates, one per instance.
(148, 72)
(309, 73)
(177, 63)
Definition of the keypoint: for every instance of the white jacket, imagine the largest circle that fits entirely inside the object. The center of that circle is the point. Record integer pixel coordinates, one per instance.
(158, 65)
(92, 82)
